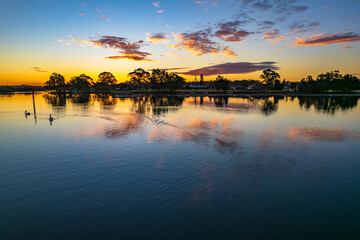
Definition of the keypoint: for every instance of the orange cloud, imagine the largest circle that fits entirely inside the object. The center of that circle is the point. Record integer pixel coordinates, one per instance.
(128, 49)
(133, 57)
(158, 37)
(273, 36)
(198, 43)
(329, 38)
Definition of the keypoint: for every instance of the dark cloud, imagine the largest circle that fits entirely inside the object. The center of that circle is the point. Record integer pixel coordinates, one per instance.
(265, 24)
(157, 37)
(127, 49)
(329, 38)
(303, 26)
(230, 32)
(38, 69)
(279, 7)
(300, 8)
(198, 43)
(262, 5)
(232, 68)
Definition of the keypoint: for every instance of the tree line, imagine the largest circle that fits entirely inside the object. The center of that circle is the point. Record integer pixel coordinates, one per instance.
(333, 80)
(158, 79)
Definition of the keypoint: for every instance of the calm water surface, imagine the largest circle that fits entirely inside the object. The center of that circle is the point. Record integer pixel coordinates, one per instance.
(179, 168)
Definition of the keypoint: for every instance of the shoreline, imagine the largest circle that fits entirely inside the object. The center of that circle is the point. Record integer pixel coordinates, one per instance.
(130, 93)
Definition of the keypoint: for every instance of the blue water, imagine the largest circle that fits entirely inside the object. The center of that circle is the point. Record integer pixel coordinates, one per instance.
(179, 168)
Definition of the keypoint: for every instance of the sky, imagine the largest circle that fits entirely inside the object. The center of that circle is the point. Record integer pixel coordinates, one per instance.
(235, 38)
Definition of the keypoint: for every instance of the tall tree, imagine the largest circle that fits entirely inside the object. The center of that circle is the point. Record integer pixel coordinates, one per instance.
(81, 82)
(221, 83)
(269, 76)
(139, 76)
(106, 78)
(55, 81)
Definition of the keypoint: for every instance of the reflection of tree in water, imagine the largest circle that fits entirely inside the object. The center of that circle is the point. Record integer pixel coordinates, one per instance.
(221, 101)
(160, 105)
(56, 100)
(140, 105)
(267, 105)
(106, 100)
(329, 104)
(80, 99)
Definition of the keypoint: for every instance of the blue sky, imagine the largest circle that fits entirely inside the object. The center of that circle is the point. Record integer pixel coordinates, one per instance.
(296, 37)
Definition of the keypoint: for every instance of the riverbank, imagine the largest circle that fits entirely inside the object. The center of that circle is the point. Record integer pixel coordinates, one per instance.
(192, 93)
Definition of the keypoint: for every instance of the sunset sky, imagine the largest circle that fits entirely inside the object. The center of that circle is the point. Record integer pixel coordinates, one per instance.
(235, 38)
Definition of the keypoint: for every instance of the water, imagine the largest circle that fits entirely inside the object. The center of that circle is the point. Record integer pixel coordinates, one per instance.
(179, 168)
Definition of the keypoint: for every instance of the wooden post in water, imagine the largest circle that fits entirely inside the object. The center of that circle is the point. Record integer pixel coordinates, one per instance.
(33, 95)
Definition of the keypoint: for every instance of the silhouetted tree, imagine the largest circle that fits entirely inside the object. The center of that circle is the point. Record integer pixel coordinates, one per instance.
(329, 81)
(106, 78)
(158, 78)
(278, 85)
(105, 81)
(56, 80)
(269, 76)
(81, 82)
(174, 81)
(221, 83)
(139, 76)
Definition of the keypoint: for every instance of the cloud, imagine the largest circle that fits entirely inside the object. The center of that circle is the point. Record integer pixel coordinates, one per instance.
(300, 8)
(232, 68)
(229, 52)
(264, 6)
(323, 134)
(273, 36)
(158, 37)
(199, 2)
(229, 31)
(156, 4)
(198, 43)
(81, 14)
(72, 36)
(172, 69)
(215, 3)
(133, 57)
(302, 26)
(329, 38)
(99, 10)
(39, 69)
(160, 11)
(104, 17)
(281, 9)
(127, 49)
(265, 24)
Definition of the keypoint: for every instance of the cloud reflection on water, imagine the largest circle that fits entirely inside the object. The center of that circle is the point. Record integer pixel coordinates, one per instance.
(319, 134)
